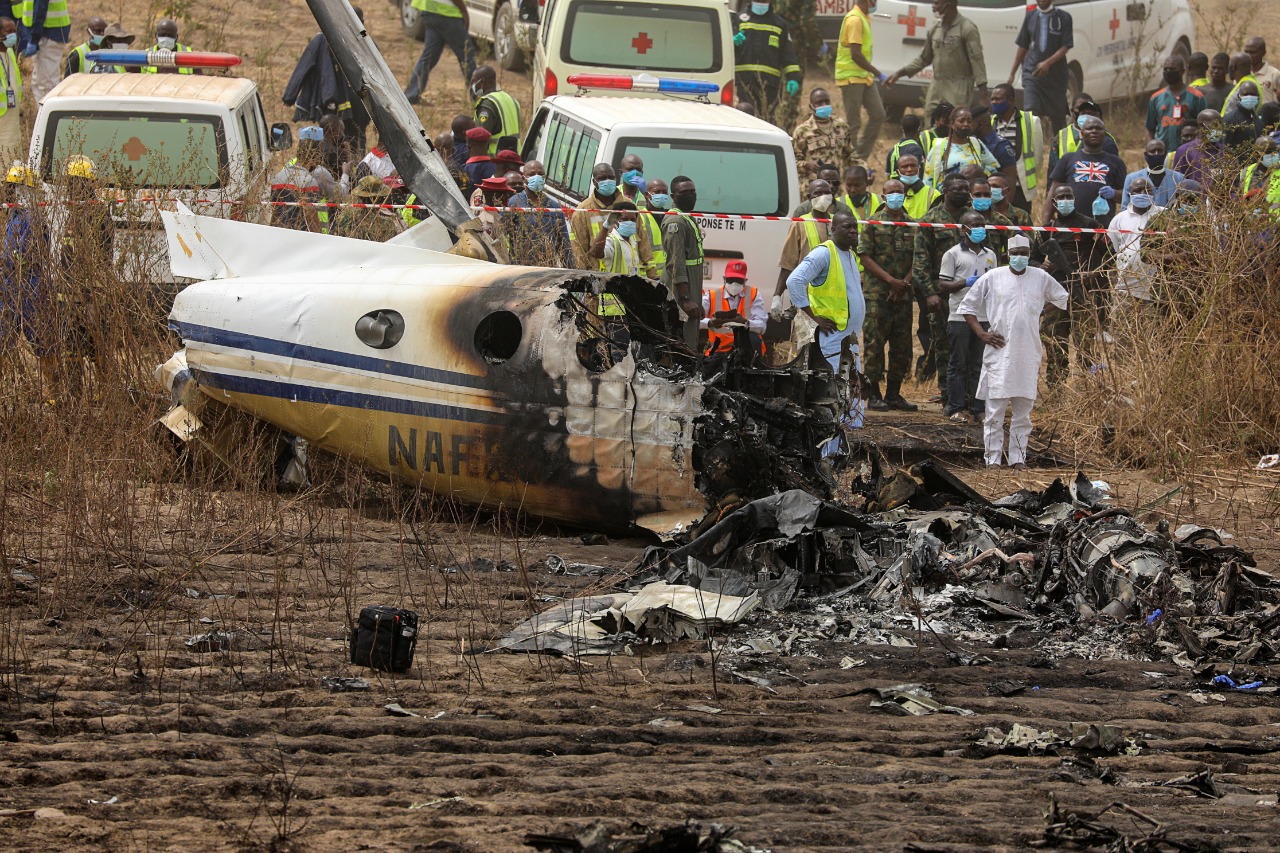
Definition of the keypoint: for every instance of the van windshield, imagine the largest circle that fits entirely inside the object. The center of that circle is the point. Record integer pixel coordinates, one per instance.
(642, 36)
(140, 149)
(740, 178)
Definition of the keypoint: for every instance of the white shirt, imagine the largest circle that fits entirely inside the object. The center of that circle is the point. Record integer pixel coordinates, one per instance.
(1133, 277)
(380, 166)
(757, 315)
(960, 262)
(1013, 304)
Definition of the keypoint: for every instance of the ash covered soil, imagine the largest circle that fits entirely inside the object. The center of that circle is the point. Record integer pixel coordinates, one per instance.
(246, 749)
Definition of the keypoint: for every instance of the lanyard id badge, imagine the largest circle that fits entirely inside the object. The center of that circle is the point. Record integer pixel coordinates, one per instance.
(10, 99)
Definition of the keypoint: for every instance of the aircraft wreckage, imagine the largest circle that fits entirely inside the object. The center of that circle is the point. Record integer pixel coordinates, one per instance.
(492, 384)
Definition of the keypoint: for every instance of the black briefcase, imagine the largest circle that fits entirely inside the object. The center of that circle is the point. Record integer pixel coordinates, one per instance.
(384, 638)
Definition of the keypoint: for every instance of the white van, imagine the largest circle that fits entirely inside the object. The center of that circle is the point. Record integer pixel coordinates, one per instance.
(510, 26)
(675, 40)
(740, 165)
(201, 139)
(1119, 44)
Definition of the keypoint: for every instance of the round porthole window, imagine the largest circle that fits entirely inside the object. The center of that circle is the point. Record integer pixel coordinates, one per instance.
(380, 329)
(498, 336)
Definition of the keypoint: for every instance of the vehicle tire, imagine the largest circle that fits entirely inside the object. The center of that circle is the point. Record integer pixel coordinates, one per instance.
(411, 20)
(505, 50)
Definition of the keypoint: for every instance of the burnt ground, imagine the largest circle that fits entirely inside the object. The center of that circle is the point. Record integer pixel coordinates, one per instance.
(246, 749)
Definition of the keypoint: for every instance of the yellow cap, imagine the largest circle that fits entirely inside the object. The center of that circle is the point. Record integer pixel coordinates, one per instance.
(20, 174)
(80, 166)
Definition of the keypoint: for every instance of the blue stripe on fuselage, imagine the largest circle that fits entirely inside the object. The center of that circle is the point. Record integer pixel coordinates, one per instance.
(320, 355)
(345, 399)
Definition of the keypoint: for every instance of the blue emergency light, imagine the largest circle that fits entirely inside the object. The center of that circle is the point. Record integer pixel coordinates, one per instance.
(643, 83)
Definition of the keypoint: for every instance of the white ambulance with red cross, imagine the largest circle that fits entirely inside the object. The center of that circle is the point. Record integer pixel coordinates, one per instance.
(1119, 44)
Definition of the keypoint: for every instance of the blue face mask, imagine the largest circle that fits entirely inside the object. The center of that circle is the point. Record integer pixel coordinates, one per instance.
(823, 113)
(759, 8)
(1066, 206)
(1270, 161)
(626, 230)
(96, 40)
(909, 180)
(1000, 108)
(535, 183)
(632, 177)
(997, 194)
(1019, 263)
(1081, 119)
(978, 235)
(1186, 209)
(608, 187)
(895, 201)
(11, 40)
(660, 201)
(1100, 206)
(1249, 102)
(982, 205)
(1141, 201)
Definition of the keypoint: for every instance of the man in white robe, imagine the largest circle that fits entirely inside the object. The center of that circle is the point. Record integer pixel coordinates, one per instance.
(1012, 298)
(1132, 275)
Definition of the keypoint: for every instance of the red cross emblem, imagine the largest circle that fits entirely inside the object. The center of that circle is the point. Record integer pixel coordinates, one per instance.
(642, 43)
(911, 21)
(134, 148)
(1114, 23)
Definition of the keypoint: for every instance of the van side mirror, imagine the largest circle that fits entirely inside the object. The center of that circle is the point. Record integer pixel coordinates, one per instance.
(281, 136)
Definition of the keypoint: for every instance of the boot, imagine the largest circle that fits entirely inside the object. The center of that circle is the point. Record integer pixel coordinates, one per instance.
(893, 398)
(875, 402)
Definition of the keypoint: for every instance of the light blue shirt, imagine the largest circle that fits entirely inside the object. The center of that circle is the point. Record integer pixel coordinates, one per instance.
(813, 270)
(1163, 194)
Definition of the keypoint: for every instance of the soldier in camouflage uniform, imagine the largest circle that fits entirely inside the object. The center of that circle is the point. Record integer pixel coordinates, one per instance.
(931, 245)
(820, 140)
(887, 253)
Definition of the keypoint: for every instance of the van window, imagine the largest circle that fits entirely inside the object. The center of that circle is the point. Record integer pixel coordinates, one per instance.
(141, 149)
(644, 36)
(731, 177)
(571, 154)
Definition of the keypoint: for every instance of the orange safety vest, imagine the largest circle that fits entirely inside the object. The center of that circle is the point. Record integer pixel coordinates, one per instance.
(723, 341)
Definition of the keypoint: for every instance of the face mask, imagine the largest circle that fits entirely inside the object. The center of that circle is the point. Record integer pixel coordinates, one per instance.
(1141, 201)
(608, 187)
(871, 10)
(1100, 206)
(1186, 209)
(823, 202)
(1249, 102)
(475, 91)
(660, 201)
(166, 42)
(960, 132)
(120, 45)
(1000, 108)
(982, 205)
(1066, 206)
(759, 8)
(535, 183)
(1154, 161)
(960, 200)
(997, 195)
(632, 177)
(978, 235)
(686, 201)
(1081, 119)
(823, 113)
(626, 230)
(895, 201)
(96, 40)
(11, 40)
(1270, 161)
(1019, 263)
(734, 288)
(1217, 135)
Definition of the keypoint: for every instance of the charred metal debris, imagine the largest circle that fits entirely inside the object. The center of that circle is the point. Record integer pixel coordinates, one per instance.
(923, 554)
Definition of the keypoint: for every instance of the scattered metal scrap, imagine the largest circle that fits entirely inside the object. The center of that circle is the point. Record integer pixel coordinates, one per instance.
(929, 555)
(691, 837)
(1085, 830)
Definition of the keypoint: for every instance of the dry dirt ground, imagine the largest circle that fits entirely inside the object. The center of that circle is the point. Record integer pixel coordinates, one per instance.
(141, 743)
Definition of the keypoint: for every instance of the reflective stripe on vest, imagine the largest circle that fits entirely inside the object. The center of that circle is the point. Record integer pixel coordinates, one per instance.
(438, 7)
(9, 64)
(181, 48)
(1068, 141)
(919, 202)
(1273, 184)
(86, 64)
(508, 115)
(811, 231)
(831, 298)
(692, 262)
(846, 69)
(408, 216)
(721, 341)
(757, 69)
(56, 16)
(1026, 144)
(650, 224)
(610, 304)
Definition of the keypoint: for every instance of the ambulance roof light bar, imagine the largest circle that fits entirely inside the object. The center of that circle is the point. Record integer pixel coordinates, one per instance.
(164, 58)
(643, 83)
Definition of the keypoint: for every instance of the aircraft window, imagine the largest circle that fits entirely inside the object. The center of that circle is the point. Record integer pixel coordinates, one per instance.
(380, 329)
(498, 336)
